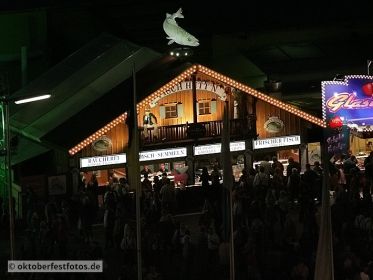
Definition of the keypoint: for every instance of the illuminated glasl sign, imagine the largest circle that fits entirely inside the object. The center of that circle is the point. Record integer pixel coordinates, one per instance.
(103, 160)
(216, 148)
(350, 100)
(276, 142)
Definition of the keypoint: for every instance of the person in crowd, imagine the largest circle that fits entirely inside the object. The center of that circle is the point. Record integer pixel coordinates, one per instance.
(317, 168)
(85, 217)
(277, 164)
(157, 185)
(110, 205)
(349, 164)
(167, 194)
(368, 164)
(368, 158)
(150, 123)
(181, 176)
(267, 165)
(205, 179)
(261, 183)
(146, 184)
(215, 176)
(277, 181)
(128, 243)
(30, 204)
(146, 170)
(162, 168)
(309, 177)
(293, 183)
(292, 164)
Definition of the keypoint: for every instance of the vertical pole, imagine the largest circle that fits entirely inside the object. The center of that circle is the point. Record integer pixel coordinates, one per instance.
(24, 65)
(8, 167)
(194, 93)
(369, 62)
(324, 268)
(228, 187)
(136, 175)
(195, 120)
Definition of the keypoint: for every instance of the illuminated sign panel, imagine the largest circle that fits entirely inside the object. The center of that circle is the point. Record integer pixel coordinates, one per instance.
(349, 101)
(102, 160)
(163, 154)
(216, 148)
(276, 142)
(121, 158)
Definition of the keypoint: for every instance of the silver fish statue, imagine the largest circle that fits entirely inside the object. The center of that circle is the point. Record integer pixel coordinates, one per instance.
(175, 33)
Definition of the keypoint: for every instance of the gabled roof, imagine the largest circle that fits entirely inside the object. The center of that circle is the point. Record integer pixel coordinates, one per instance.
(75, 83)
(186, 73)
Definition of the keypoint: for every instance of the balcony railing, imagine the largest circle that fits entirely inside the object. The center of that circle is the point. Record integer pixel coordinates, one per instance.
(173, 133)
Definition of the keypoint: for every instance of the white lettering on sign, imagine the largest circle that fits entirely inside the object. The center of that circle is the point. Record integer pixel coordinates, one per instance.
(121, 158)
(102, 160)
(187, 85)
(276, 142)
(163, 154)
(216, 148)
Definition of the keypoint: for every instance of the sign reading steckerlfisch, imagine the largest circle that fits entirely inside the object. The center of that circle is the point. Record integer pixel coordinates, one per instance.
(350, 100)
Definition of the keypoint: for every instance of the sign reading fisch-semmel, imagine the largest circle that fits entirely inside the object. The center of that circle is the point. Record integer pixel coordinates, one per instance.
(276, 142)
(163, 154)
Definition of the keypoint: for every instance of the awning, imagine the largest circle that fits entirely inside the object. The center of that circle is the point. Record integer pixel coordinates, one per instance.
(78, 81)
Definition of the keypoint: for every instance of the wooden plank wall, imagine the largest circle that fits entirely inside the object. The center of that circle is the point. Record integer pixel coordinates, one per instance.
(186, 98)
(265, 110)
(119, 138)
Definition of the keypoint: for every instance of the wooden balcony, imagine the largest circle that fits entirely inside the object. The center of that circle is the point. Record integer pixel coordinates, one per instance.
(239, 128)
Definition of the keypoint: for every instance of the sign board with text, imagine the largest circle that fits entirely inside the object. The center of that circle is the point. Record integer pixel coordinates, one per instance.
(349, 101)
(216, 148)
(122, 158)
(265, 143)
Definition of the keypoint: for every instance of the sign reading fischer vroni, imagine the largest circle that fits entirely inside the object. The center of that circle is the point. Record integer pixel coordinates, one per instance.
(276, 142)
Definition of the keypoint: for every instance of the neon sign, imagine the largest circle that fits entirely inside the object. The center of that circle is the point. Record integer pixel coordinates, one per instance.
(350, 100)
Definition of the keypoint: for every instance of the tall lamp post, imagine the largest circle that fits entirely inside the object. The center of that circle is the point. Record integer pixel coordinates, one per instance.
(5, 101)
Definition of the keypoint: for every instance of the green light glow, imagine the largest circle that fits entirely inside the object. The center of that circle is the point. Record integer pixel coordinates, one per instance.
(3, 182)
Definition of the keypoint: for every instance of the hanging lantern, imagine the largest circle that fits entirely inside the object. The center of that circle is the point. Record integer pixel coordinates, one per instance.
(336, 122)
(368, 89)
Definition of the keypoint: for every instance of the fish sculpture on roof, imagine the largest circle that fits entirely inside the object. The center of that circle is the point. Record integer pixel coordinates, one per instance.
(175, 33)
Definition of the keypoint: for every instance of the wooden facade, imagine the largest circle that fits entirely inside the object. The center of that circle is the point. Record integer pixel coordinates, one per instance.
(292, 124)
(174, 130)
(119, 137)
(249, 112)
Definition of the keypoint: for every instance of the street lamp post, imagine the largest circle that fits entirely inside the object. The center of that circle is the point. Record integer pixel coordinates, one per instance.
(5, 100)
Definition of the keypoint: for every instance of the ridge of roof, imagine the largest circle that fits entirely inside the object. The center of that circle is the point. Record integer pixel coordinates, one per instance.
(194, 68)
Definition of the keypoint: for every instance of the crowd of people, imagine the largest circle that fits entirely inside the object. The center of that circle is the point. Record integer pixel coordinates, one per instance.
(276, 222)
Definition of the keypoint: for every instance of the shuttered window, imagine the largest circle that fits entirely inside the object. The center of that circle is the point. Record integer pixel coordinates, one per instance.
(204, 108)
(171, 111)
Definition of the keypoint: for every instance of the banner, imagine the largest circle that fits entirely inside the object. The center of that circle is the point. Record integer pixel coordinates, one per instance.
(349, 101)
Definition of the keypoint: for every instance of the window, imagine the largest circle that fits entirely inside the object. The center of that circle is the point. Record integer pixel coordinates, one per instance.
(171, 111)
(204, 108)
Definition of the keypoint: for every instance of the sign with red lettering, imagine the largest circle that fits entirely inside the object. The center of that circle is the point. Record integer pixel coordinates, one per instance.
(349, 101)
